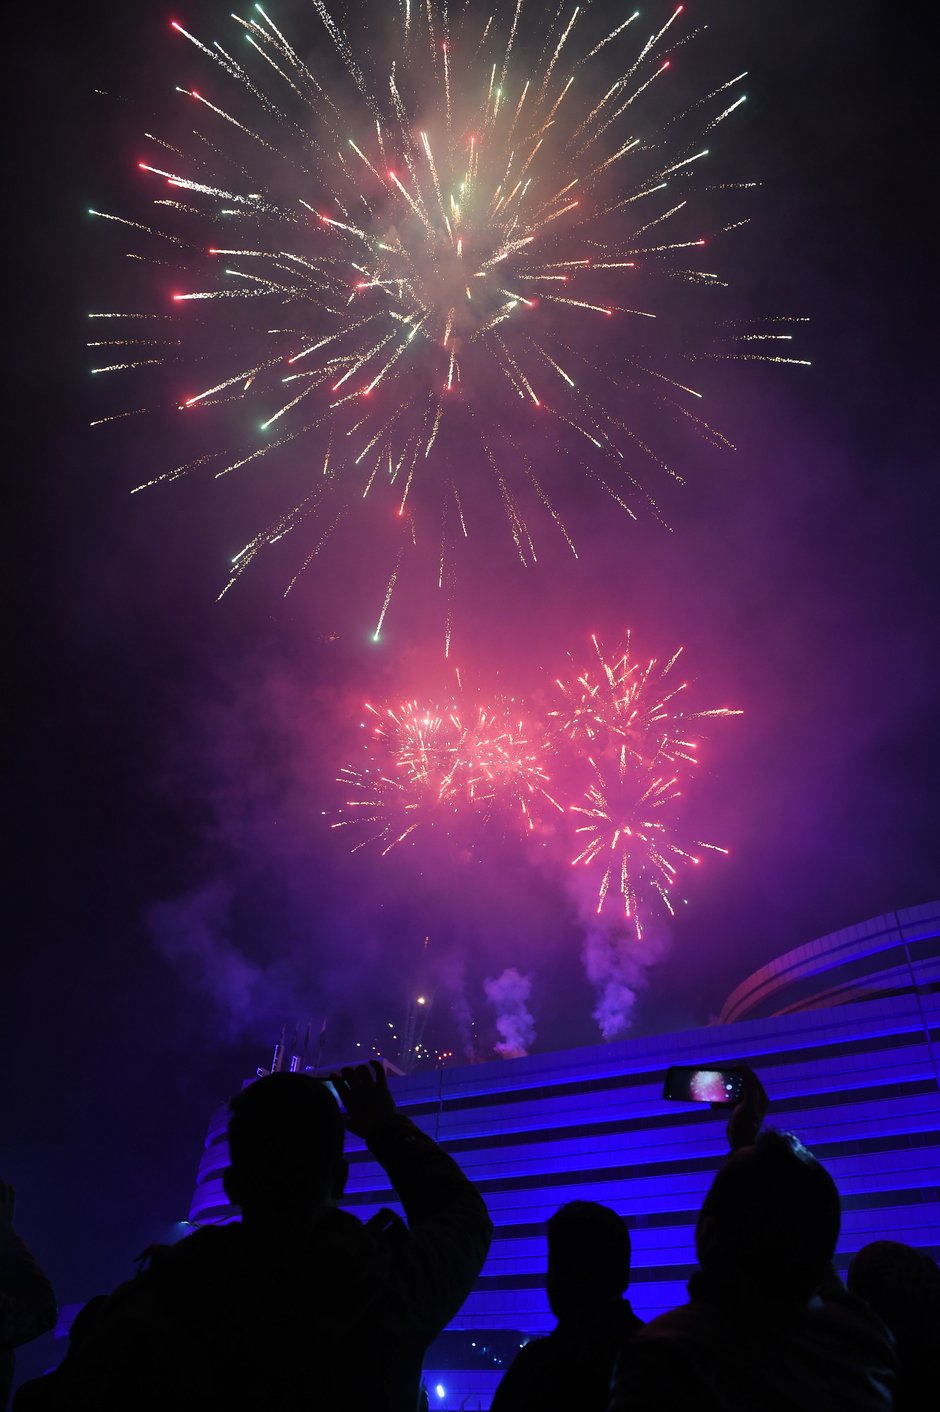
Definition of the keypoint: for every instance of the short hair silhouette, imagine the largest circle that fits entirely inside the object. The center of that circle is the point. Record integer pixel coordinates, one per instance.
(285, 1139)
(770, 1221)
(902, 1285)
(588, 1256)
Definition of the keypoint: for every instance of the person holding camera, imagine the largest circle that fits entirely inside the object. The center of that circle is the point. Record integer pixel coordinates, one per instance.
(768, 1324)
(300, 1305)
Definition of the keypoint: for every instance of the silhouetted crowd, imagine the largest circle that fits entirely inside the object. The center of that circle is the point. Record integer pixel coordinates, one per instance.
(301, 1307)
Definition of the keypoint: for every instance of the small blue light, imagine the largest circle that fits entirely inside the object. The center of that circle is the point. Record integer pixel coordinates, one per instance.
(440, 1390)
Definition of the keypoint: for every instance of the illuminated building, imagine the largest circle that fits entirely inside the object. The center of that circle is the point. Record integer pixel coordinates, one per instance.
(845, 1033)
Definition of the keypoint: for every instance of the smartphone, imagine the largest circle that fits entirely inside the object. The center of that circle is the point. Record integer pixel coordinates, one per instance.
(690, 1083)
(329, 1086)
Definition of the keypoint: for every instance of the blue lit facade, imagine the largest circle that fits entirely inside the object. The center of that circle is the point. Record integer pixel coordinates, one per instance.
(857, 1081)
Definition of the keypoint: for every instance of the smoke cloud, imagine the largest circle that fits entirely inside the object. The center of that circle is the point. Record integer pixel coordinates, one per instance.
(615, 962)
(508, 993)
(453, 980)
(616, 965)
(194, 933)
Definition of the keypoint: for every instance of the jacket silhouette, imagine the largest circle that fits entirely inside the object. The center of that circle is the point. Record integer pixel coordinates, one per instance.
(27, 1299)
(588, 1271)
(768, 1326)
(331, 1315)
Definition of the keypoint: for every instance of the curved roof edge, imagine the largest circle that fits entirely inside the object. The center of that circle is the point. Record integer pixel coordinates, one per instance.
(839, 949)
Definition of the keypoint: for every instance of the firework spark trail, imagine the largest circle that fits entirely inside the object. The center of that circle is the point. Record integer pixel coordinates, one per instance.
(626, 835)
(599, 776)
(503, 759)
(627, 717)
(433, 229)
(626, 702)
(435, 760)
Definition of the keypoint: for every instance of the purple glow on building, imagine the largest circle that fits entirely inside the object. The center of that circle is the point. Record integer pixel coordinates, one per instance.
(858, 1082)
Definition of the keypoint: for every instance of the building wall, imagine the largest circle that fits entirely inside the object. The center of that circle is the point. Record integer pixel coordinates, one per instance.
(858, 1083)
(883, 956)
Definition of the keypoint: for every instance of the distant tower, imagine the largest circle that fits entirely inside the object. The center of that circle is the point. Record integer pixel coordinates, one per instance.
(416, 1018)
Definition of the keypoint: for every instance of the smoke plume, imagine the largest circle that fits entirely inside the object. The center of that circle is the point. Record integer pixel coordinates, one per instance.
(615, 962)
(616, 965)
(194, 932)
(508, 994)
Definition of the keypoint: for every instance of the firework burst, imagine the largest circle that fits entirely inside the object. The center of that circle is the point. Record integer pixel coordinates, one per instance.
(628, 835)
(430, 765)
(420, 741)
(621, 702)
(437, 268)
(504, 758)
(599, 778)
(625, 717)
(411, 780)
(391, 807)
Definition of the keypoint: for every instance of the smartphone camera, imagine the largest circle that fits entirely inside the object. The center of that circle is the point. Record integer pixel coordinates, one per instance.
(689, 1083)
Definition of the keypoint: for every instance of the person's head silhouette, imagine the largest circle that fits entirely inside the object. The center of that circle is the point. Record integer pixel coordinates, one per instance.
(588, 1258)
(285, 1138)
(902, 1285)
(770, 1221)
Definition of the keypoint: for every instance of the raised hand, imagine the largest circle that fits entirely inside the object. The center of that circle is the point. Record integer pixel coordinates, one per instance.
(748, 1115)
(364, 1093)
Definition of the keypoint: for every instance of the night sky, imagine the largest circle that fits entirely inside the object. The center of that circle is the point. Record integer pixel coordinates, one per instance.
(176, 891)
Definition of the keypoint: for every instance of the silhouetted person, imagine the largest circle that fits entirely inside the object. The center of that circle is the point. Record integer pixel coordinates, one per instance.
(301, 1306)
(27, 1299)
(588, 1271)
(756, 1336)
(902, 1285)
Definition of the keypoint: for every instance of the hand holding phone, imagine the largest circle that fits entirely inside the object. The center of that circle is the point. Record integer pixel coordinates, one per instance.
(690, 1083)
(732, 1086)
(748, 1115)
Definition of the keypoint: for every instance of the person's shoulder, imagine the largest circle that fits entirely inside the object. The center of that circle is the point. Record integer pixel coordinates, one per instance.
(630, 1323)
(531, 1378)
(683, 1321)
(850, 1320)
(659, 1362)
(548, 1361)
(533, 1359)
(209, 1245)
(537, 1350)
(211, 1254)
